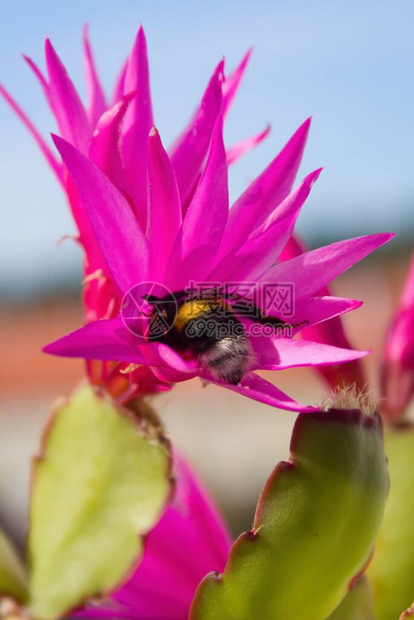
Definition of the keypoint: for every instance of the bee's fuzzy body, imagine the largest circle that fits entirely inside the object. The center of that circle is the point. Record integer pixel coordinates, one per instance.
(228, 359)
(213, 334)
(210, 331)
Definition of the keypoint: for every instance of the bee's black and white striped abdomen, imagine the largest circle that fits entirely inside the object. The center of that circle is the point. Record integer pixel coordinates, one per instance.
(228, 359)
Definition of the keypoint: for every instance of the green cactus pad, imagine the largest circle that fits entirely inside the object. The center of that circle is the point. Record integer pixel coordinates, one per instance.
(392, 568)
(314, 528)
(100, 484)
(357, 605)
(13, 579)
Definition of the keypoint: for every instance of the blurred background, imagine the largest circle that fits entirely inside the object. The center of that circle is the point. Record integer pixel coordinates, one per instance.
(347, 63)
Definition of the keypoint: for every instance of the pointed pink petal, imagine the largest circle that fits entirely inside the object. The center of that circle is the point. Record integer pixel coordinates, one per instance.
(87, 239)
(136, 127)
(263, 391)
(399, 348)
(203, 225)
(294, 247)
(86, 235)
(332, 332)
(121, 240)
(97, 103)
(290, 205)
(397, 373)
(282, 353)
(265, 243)
(238, 150)
(47, 153)
(329, 332)
(39, 75)
(318, 309)
(313, 270)
(164, 215)
(119, 89)
(265, 193)
(106, 148)
(101, 340)
(110, 340)
(66, 104)
(188, 154)
(232, 82)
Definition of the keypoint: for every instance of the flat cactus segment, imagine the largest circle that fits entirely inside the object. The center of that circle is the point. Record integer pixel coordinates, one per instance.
(314, 528)
(100, 484)
(357, 605)
(392, 568)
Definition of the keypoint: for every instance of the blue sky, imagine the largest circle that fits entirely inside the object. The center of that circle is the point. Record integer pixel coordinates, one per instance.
(348, 64)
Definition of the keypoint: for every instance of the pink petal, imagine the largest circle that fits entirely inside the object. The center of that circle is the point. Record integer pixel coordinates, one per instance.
(121, 240)
(66, 104)
(263, 391)
(110, 340)
(120, 83)
(97, 103)
(188, 154)
(407, 297)
(333, 332)
(312, 311)
(397, 373)
(329, 332)
(203, 225)
(100, 340)
(106, 147)
(47, 153)
(265, 193)
(93, 255)
(171, 376)
(282, 353)
(399, 347)
(164, 215)
(86, 236)
(290, 206)
(265, 243)
(136, 127)
(167, 362)
(318, 309)
(294, 247)
(39, 75)
(232, 83)
(313, 270)
(238, 150)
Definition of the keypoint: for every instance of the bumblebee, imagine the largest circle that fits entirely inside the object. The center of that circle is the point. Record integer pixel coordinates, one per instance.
(207, 327)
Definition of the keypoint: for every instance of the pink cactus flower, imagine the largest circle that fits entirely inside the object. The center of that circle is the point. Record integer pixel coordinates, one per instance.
(209, 244)
(165, 581)
(114, 136)
(397, 376)
(147, 217)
